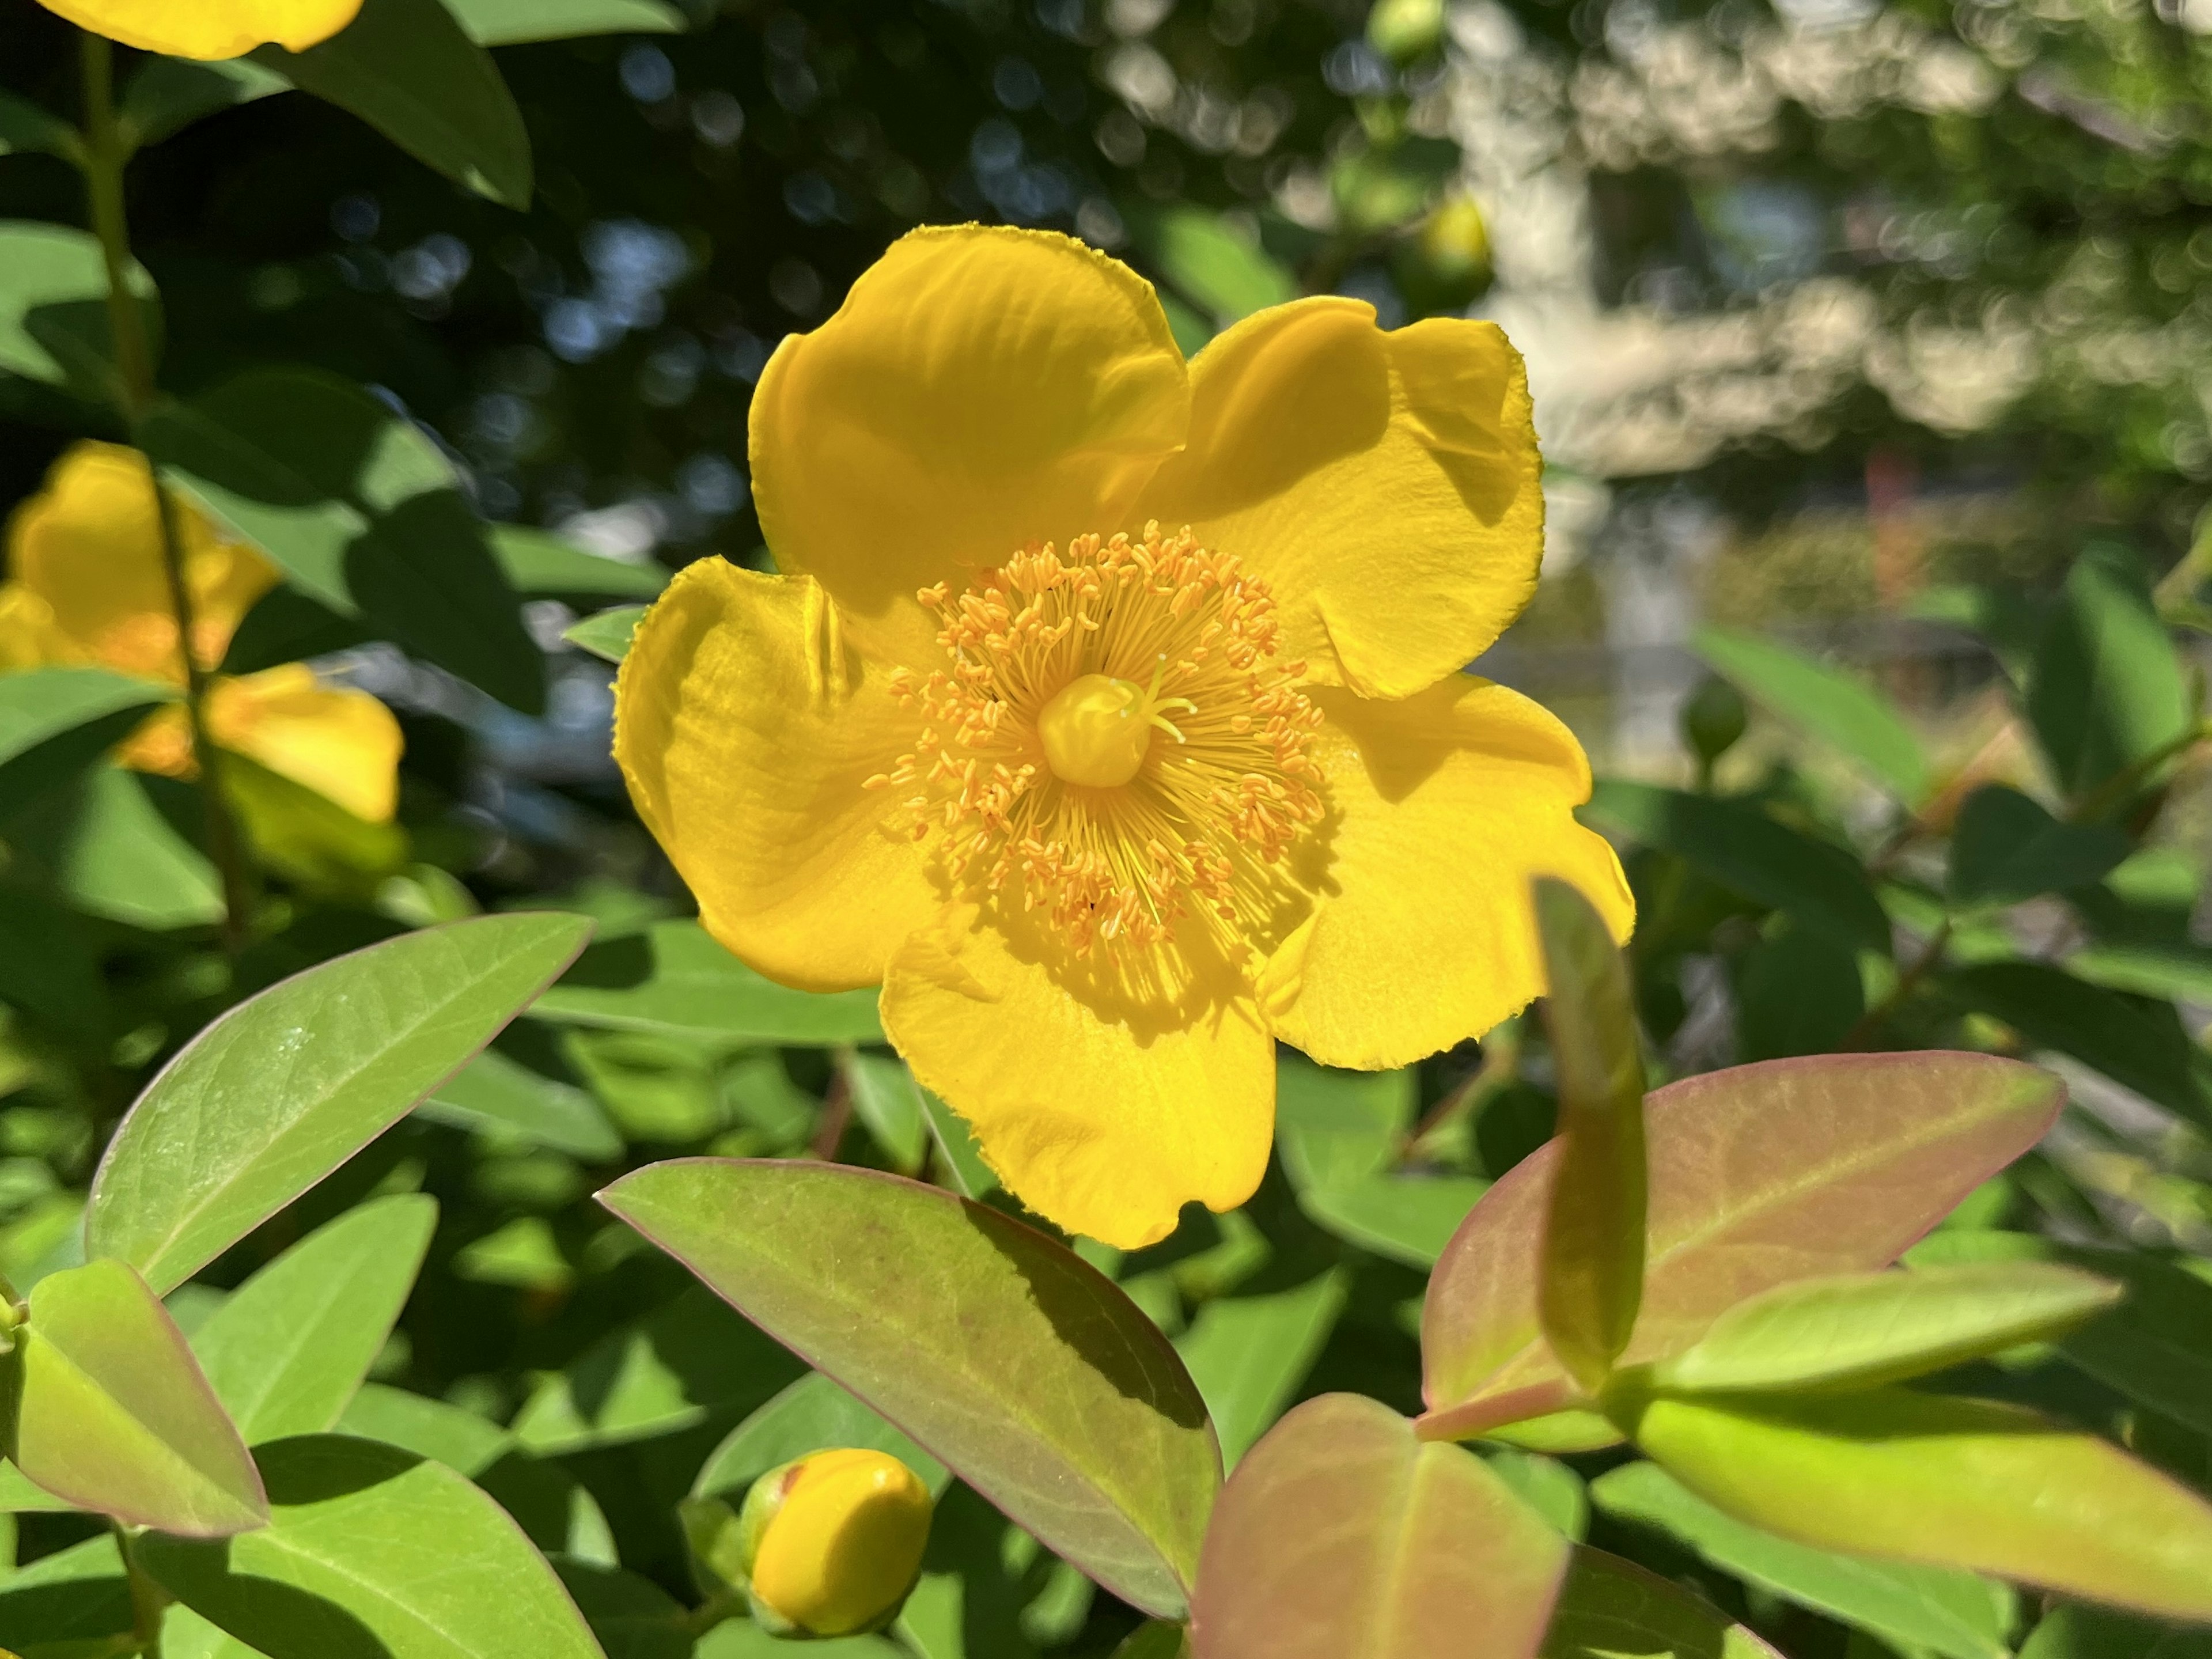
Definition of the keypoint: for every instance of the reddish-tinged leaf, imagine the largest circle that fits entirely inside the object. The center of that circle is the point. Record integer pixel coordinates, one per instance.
(1760, 1174)
(1343, 1536)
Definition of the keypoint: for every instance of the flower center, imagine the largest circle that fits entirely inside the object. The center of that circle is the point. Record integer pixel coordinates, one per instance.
(1039, 762)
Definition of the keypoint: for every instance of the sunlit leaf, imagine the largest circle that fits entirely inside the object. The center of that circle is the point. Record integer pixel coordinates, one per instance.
(1022, 1369)
(1227, 274)
(1792, 1168)
(1248, 1354)
(459, 1439)
(1610, 1608)
(1402, 1217)
(674, 979)
(39, 704)
(1836, 708)
(493, 1092)
(541, 564)
(1546, 1486)
(286, 1350)
(886, 1097)
(283, 1088)
(511, 22)
(112, 852)
(2006, 848)
(1959, 1483)
(608, 634)
(54, 308)
(74, 1601)
(114, 1415)
(1340, 1533)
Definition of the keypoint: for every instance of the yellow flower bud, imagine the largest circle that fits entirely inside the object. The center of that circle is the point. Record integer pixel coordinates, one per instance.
(210, 28)
(834, 1542)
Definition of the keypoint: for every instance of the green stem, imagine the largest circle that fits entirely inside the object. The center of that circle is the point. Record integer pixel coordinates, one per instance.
(106, 155)
(149, 1602)
(2125, 782)
(1908, 982)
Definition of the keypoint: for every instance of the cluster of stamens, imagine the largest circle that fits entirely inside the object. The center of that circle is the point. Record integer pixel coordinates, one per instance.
(1146, 666)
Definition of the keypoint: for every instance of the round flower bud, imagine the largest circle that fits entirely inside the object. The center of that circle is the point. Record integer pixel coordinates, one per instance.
(1406, 30)
(832, 1542)
(1713, 719)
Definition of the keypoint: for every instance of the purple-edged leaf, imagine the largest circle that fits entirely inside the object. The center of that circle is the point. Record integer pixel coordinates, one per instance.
(1593, 1251)
(1959, 1483)
(1341, 1532)
(1023, 1369)
(1792, 1168)
(115, 1416)
(287, 1086)
(1609, 1608)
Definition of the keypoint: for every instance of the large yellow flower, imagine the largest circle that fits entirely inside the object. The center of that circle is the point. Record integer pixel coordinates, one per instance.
(87, 585)
(210, 28)
(1110, 714)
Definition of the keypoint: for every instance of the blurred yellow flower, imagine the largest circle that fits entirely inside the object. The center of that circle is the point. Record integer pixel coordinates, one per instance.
(210, 28)
(87, 585)
(1110, 713)
(833, 1540)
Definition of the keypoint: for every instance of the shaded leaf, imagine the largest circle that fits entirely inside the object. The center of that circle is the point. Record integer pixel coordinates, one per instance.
(957, 1144)
(493, 1092)
(2100, 1633)
(674, 979)
(1423, 1552)
(25, 129)
(2006, 848)
(633, 1617)
(430, 1428)
(1019, 1366)
(39, 704)
(511, 22)
(2106, 688)
(107, 849)
(283, 1088)
(74, 1601)
(53, 309)
(1248, 1354)
(167, 94)
(1610, 1608)
(1838, 709)
(886, 1097)
(813, 1414)
(1797, 992)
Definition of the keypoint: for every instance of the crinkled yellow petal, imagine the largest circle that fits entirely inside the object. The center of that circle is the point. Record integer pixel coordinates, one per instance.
(210, 28)
(1102, 1117)
(1444, 807)
(1385, 484)
(342, 744)
(89, 546)
(748, 724)
(979, 389)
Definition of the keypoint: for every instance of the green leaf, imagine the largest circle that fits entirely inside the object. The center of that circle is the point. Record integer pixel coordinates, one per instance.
(1860, 1329)
(1546, 1486)
(2107, 688)
(888, 1100)
(512, 22)
(504, 1097)
(291, 1344)
(1910, 1606)
(1401, 1218)
(1019, 1366)
(813, 1414)
(39, 704)
(108, 850)
(1159, 1639)
(1838, 709)
(73, 1604)
(114, 1415)
(1249, 1354)
(359, 509)
(1962, 1483)
(1761, 1175)
(2100, 1633)
(1735, 844)
(371, 1550)
(2006, 848)
(53, 309)
(1610, 1608)
(1591, 1279)
(1338, 1133)
(1407, 1550)
(285, 1088)
(185, 1635)
(608, 634)
(955, 1143)
(408, 69)
(25, 129)
(741, 1638)
(167, 94)
(1229, 274)
(1797, 992)
(430, 1428)
(632, 1617)
(674, 980)
(538, 562)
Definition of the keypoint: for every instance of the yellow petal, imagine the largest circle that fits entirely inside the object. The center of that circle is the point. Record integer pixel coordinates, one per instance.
(1104, 1117)
(343, 744)
(89, 546)
(28, 638)
(1445, 806)
(1386, 485)
(979, 389)
(210, 28)
(748, 726)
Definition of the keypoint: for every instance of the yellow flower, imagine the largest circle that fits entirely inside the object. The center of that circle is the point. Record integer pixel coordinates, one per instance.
(87, 585)
(833, 1540)
(1106, 803)
(210, 28)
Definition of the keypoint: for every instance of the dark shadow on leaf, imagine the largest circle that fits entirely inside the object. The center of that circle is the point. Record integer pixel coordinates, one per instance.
(613, 964)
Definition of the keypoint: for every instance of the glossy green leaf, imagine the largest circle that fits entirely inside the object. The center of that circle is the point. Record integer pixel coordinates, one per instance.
(408, 69)
(1737, 846)
(1959, 1483)
(167, 94)
(538, 562)
(287, 1349)
(1401, 1218)
(1335, 1127)
(2100, 1633)
(502, 1096)
(1610, 1608)
(1910, 1605)
(511, 22)
(886, 1098)
(1860, 1329)
(1792, 1168)
(114, 1415)
(73, 1604)
(1546, 1486)
(1838, 709)
(185, 1635)
(956, 1144)
(1592, 1273)
(25, 129)
(2006, 848)
(813, 1414)
(1022, 1369)
(608, 634)
(41, 704)
(283, 1088)
(1409, 1551)
(372, 1551)
(675, 980)
(360, 511)
(54, 308)
(1249, 1354)
(459, 1439)
(2107, 688)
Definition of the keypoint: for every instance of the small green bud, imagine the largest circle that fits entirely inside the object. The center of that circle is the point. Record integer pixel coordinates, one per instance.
(1406, 30)
(1445, 264)
(830, 1544)
(1713, 720)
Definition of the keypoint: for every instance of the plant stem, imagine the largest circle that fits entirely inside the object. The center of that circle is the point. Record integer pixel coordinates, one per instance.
(2125, 782)
(1870, 1022)
(149, 1600)
(104, 162)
